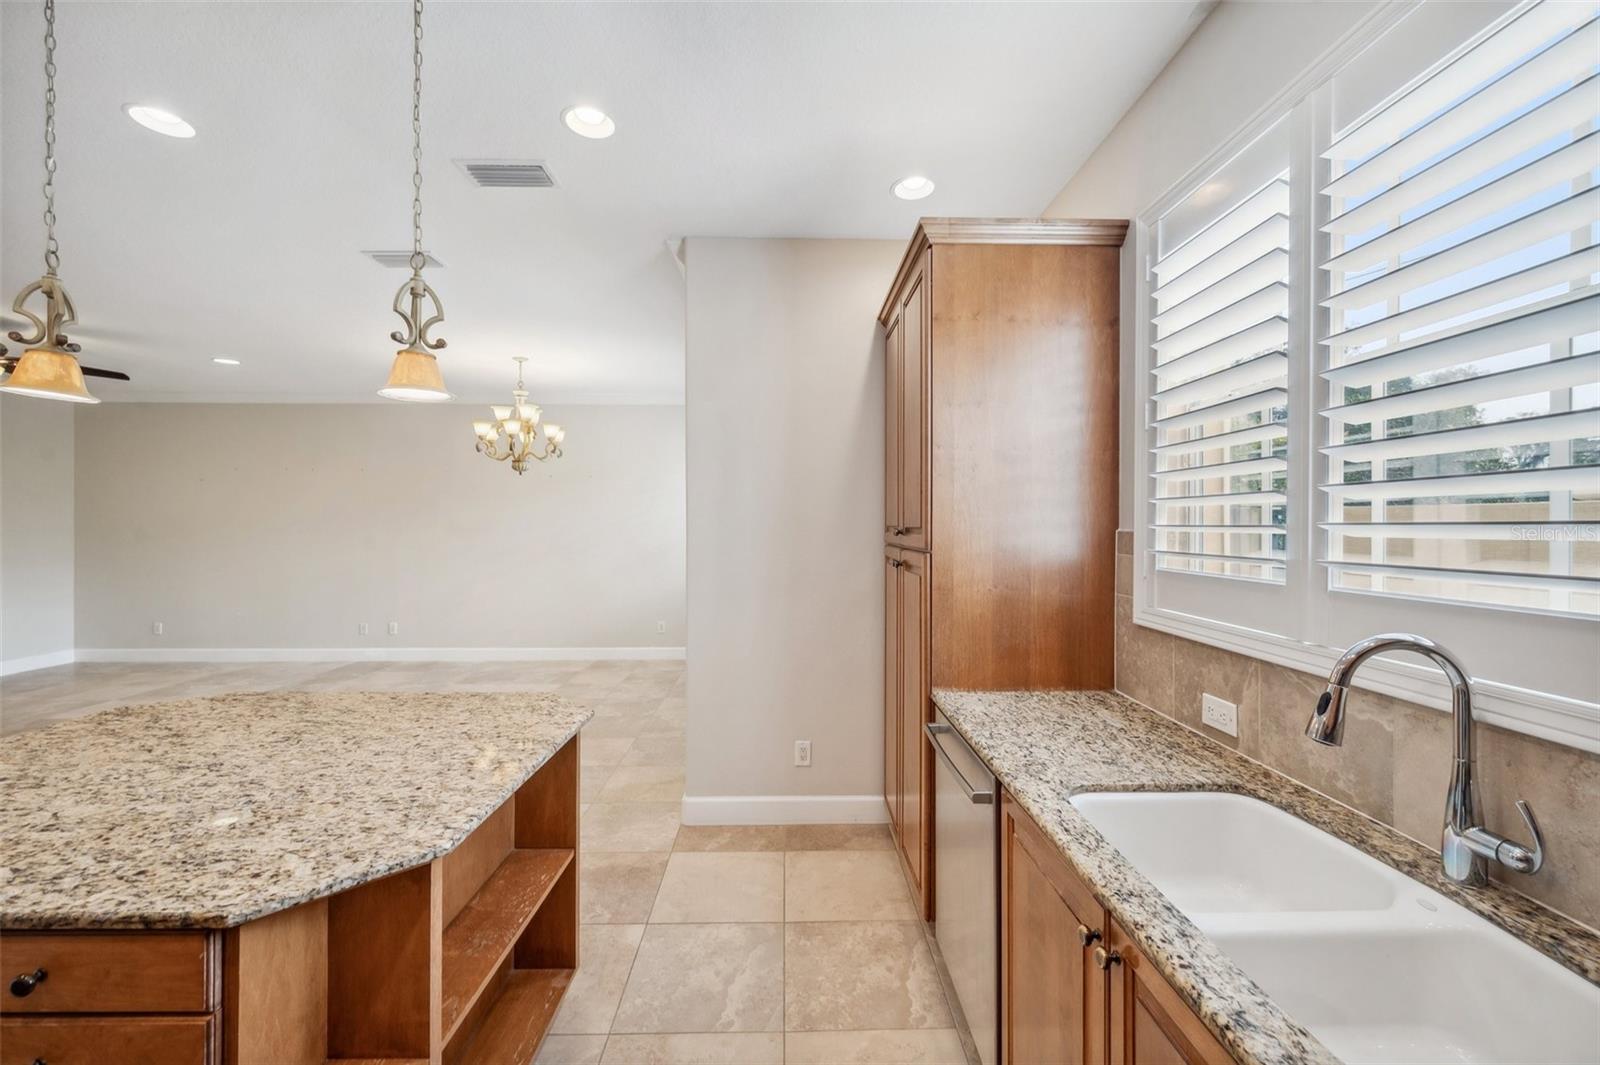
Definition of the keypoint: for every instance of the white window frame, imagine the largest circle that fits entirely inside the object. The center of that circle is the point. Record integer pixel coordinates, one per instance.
(1307, 602)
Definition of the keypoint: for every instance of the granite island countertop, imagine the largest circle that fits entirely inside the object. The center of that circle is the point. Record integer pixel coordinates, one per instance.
(210, 812)
(1046, 747)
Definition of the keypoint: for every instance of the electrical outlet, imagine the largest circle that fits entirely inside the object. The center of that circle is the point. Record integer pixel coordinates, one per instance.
(157, 629)
(1219, 714)
(661, 628)
(394, 628)
(362, 629)
(802, 752)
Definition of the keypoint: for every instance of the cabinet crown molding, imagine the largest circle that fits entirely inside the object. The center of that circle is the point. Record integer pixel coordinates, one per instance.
(1106, 232)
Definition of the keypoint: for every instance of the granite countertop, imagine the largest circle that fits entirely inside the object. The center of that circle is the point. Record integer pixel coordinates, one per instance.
(1046, 747)
(206, 813)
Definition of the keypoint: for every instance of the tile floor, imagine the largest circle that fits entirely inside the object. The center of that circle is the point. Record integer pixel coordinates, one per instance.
(731, 945)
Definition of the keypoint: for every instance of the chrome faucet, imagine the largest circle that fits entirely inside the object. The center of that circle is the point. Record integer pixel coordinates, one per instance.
(1467, 847)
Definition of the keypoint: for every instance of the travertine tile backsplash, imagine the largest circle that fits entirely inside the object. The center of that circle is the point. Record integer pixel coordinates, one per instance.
(1395, 762)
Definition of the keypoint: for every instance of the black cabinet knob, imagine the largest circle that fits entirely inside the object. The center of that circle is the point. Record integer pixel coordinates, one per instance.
(23, 985)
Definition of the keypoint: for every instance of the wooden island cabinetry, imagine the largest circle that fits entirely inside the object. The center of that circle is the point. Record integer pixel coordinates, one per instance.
(1000, 479)
(462, 958)
(1074, 989)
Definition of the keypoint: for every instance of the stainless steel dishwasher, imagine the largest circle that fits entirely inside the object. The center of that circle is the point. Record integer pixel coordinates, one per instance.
(966, 864)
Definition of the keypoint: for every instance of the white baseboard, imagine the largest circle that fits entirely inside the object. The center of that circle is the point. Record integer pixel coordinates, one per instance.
(376, 654)
(784, 809)
(44, 661)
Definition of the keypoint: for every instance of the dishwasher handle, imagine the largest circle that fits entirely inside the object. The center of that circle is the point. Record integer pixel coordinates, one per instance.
(934, 730)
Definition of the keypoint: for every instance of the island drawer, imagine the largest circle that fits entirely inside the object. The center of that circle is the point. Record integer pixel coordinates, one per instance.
(109, 972)
(93, 1040)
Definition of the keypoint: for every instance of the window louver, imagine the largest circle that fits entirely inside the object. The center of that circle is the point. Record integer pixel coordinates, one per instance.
(1462, 351)
(1219, 357)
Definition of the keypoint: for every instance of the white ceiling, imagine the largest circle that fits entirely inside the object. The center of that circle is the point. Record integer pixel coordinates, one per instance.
(752, 120)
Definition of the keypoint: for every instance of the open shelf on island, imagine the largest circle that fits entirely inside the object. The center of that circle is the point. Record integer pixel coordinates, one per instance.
(480, 939)
(517, 1021)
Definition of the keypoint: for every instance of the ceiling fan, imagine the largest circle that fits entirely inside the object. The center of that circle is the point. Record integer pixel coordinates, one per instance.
(8, 362)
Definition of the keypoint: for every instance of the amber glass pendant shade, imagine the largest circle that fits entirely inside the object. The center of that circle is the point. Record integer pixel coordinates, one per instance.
(415, 378)
(48, 374)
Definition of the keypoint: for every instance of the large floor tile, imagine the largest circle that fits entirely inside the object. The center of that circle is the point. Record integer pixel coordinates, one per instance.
(656, 750)
(837, 838)
(643, 783)
(629, 826)
(592, 780)
(933, 1046)
(603, 750)
(605, 956)
(697, 1048)
(617, 888)
(860, 975)
(710, 887)
(845, 886)
(570, 1050)
(730, 838)
(705, 978)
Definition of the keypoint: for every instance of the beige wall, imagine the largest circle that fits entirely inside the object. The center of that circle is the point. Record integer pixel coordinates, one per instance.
(785, 415)
(36, 513)
(286, 526)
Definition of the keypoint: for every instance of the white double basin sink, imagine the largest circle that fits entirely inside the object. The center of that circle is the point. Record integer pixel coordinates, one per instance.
(1377, 966)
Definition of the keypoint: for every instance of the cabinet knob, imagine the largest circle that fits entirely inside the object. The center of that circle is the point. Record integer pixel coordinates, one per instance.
(1105, 959)
(22, 986)
(1086, 935)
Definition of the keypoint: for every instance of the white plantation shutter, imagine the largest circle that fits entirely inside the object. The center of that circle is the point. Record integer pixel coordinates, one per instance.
(1462, 348)
(1219, 359)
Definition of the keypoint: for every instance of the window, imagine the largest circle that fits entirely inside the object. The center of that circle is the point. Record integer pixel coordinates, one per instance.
(1370, 364)
(1220, 359)
(1463, 426)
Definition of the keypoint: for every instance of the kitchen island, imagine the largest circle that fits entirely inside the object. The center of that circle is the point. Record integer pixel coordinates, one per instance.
(291, 877)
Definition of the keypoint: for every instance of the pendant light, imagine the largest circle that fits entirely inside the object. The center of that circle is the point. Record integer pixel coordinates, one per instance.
(48, 368)
(415, 376)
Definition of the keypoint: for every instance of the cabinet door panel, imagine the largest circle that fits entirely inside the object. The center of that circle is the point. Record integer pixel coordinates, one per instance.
(1052, 998)
(891, 688)
(913, 713)
(1150, 1023)
(914, 441)
(893, 349)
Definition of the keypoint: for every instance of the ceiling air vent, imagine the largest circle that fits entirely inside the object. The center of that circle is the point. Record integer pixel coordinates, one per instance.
(401, 259)
(506, 174)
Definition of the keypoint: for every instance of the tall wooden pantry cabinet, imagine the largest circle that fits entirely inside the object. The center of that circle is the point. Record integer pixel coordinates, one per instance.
(1000, 479)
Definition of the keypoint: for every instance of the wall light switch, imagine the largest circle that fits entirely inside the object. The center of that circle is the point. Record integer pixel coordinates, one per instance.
(802, 752)
(394, 628)
(1219, 714)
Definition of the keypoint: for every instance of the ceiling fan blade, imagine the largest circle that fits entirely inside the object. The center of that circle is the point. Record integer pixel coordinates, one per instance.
(9, 363)
(112, 375)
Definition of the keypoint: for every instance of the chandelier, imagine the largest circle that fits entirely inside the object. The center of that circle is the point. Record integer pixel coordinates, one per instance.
(519, 425)
(415, 376)
(48, 368)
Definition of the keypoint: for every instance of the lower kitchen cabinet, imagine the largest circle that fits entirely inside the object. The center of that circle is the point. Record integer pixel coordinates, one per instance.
(1074, 990)
(907, 707)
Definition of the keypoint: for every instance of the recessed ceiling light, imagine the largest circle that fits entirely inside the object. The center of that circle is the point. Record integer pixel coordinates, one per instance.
(589, 122)
(163, 122)
(913, 188)
(223, 360)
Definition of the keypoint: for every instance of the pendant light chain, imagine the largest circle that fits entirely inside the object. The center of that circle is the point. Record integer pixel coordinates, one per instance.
(417, 258)
(52, 250)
